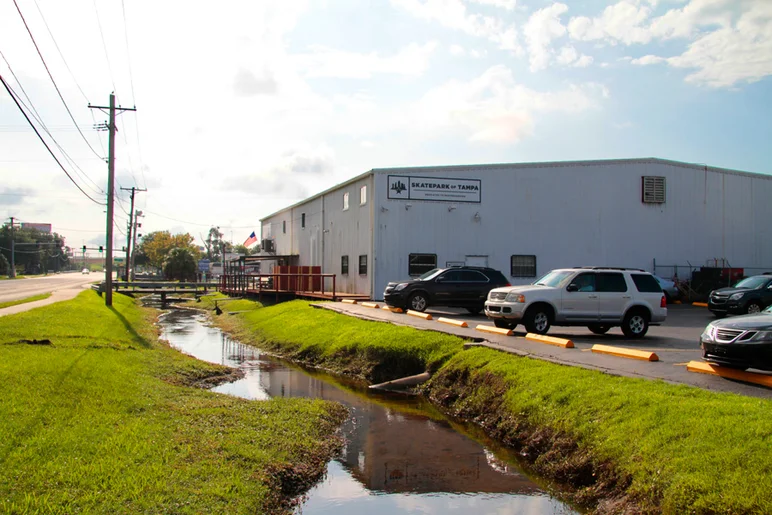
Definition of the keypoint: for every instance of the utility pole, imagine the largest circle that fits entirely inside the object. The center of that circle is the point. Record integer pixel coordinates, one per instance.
(12, 272)
(129, 244)
(137, 214)
(110, 195)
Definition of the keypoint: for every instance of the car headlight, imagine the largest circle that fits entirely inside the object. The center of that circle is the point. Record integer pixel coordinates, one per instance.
(762, 336)
(516, 297)
(709, 333)
(736, 296)
(400, 286)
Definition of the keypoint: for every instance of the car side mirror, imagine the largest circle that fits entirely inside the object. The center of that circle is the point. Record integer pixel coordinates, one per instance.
(572, 287)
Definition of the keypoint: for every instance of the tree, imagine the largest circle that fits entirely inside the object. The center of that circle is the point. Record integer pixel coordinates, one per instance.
(180, 264)
(214, 244)
(36, 251)
(155, 247)
(241, 249)
(5, 266)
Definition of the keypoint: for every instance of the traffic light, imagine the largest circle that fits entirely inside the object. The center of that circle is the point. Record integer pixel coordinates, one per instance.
(100, 249)
(84, 249)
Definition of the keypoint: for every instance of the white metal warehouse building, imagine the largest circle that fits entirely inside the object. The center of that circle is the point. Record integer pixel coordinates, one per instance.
(525, 219)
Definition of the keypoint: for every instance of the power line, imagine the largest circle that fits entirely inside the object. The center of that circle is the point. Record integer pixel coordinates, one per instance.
(107, 57)
(13, 96)
(52, 78)
(133, 95)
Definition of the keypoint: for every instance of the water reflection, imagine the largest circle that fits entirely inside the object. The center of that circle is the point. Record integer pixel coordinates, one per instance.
(395, 445)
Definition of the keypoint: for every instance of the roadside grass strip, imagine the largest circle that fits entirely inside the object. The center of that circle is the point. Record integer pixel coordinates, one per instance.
(494, 330)
(418, 314)
(651, 446)
(452, 321)
(550, 340)
(102, 420)
(730, 373)
(34, 298)
(625, 353)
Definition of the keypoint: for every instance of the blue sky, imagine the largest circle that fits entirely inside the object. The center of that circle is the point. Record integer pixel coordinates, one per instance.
(247, 107)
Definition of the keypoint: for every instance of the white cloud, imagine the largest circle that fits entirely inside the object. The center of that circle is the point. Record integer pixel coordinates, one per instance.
(495, 108)
(682, 23)
(648, 59)
(453, 14)
(327, 62)
(621, 22)
(742, 53)
(504, 4)
(459, 51)
(541, 29)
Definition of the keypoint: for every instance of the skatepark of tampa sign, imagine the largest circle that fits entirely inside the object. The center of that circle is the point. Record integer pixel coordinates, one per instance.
(404, 187)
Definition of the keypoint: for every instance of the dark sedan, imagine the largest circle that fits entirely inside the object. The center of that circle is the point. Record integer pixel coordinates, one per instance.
(464, 286)
(740, 342)
(748, 296)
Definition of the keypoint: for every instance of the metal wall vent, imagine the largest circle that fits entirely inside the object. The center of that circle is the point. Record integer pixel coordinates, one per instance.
(653, 190)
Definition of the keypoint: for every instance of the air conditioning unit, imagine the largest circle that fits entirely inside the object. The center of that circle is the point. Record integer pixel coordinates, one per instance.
(267, 246)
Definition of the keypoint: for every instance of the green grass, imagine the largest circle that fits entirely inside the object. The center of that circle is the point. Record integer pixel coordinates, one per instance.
(101, 422)
(682, 449)
(369, 350)
(24, 301)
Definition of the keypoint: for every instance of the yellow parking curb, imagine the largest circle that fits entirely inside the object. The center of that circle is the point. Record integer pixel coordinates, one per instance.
(625, 353)
(370, 305)
(729, 373)
(494, 330)
(349, 301)
(450, 321)
(700, 304)
(425, 316)
(676, 302)
(560, 342)
(392, 309)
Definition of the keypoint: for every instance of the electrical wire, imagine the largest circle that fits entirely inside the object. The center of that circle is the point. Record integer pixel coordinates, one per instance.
(13, 96)
(133, 95)
(101, 33)
(52, 77)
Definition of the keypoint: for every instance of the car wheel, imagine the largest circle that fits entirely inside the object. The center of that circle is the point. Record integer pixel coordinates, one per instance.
(475, 310)
(598, 328)
(504, 324)
(635, 324)
(418, 302)
(538, 320)
(752, 308)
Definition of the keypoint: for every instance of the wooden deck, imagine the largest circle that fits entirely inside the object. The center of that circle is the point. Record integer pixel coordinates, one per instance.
(281, 286)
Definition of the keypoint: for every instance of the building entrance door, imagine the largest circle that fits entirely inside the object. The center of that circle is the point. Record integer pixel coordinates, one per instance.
(477, 261)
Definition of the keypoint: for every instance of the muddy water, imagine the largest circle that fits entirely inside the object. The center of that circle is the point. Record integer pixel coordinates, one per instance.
(400, 456)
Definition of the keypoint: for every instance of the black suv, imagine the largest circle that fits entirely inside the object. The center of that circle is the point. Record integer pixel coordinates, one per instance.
(749, 296)
(458, 286)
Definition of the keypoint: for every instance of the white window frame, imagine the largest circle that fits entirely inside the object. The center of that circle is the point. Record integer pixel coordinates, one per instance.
(363, 195)
(345, 201)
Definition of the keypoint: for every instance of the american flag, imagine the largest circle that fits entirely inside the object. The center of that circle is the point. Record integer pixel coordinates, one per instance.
(252, 239)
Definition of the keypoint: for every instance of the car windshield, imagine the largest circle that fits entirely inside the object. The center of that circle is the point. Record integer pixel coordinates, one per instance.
(430, 274)
(554, 279)
(752, 282)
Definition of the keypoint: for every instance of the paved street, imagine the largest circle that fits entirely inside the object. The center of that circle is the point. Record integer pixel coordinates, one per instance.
(675, 342)
(62, 286)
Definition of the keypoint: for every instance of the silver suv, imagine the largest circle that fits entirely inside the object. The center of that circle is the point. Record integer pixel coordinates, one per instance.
(597, 297)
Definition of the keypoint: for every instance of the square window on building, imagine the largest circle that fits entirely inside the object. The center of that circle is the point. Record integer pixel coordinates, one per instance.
(523, 266)
(418, 264)
(345, 201)
(363, 195)
(344, 265)
(284, 227)
(363, 264)
(302, 220)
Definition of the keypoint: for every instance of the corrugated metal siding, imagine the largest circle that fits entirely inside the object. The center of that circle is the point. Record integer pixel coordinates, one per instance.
(583, 215)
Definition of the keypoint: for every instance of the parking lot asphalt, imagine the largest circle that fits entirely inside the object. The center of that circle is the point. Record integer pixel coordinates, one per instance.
(676, 342)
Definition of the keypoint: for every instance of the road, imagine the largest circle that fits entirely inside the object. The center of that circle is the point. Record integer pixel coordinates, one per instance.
(62, 286)
(675, 343)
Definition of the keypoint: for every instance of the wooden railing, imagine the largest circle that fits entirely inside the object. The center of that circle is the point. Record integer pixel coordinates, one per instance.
(278, 283)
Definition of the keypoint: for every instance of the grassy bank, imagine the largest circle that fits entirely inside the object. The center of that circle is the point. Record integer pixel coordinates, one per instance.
(624, 445)
(24, 301)
(103, 420)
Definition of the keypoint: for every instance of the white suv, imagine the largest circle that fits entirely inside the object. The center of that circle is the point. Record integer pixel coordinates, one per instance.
(597, 297)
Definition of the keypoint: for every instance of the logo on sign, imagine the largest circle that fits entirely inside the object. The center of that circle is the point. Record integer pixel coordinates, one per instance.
(398, 187)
